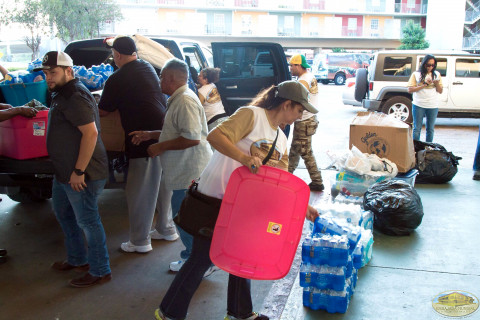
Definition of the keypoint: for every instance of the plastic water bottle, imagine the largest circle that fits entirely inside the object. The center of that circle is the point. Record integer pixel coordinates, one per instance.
(307, 277)
(306, 248)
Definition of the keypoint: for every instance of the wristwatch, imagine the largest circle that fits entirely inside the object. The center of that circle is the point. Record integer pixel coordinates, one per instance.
(79, 172)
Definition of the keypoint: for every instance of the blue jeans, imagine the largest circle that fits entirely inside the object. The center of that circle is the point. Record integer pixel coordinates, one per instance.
(77, 214)
(187, 238)
(476, 161)
(418, 114)
(177, 299)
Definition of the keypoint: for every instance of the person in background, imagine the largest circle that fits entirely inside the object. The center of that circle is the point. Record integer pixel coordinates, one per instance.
(8, 112)
(182, 146)
(305, 127)
(476, 160)
(135, 91)
(210, 97)
(81, 168)
(425, 85)
(242, 140)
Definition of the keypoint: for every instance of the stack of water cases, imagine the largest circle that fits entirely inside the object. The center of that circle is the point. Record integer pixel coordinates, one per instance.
(340, 244)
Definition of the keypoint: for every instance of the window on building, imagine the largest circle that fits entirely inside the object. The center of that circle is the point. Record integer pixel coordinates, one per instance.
(289, 22)
(172, 22)
(313, 26)
(352, 23)
(467, 68)
(246, 21)
(219, 23)
(411, 4)
(375, 3)
(397, 66)
(374, 24)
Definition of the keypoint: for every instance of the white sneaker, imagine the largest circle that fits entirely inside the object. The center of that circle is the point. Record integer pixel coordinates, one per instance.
(155, 235)
(211, 270)
(177, 265)
(130, 247)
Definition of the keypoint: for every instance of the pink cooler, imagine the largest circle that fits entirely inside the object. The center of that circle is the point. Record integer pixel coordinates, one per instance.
(24, 138)
(260, 223)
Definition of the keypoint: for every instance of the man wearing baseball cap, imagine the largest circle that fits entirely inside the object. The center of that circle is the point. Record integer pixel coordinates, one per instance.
(134, 90)
(81, 168)
(306, 127)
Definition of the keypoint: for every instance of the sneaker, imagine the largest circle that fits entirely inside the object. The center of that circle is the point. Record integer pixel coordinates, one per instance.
(476, 175)
(316, 187)
(130, 247)
(155, 235)
(177, 265)
(159, 315)
(211, 270)
(254, 316)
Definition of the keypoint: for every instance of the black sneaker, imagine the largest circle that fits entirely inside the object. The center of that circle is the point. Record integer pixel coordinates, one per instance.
(316, 186)
(476, 175)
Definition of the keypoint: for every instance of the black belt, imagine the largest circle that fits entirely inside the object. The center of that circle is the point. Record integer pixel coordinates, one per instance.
(216, 117)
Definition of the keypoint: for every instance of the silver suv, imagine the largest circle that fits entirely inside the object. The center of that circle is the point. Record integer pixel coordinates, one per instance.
(383, 87)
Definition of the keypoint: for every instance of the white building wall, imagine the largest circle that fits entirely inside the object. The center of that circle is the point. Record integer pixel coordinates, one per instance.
(445, 23)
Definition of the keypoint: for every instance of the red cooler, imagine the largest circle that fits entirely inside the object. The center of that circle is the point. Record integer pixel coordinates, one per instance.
(24, 138)
(260, 223)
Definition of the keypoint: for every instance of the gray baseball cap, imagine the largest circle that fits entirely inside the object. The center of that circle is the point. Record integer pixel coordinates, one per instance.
(295, 91)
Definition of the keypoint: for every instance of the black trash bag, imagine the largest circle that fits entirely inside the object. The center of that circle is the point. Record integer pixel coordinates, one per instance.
(396, 206)
(434, 163)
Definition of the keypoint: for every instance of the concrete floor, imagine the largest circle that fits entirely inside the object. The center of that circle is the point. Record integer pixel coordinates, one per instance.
(405, 273)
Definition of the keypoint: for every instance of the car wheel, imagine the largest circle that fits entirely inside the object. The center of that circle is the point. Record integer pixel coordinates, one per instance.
(361, 84)
(325, 81)
(400, 107)
(339, 79)
(29, 195)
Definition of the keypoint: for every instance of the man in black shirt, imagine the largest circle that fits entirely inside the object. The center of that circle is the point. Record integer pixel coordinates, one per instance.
(80, 163)
(134, 90)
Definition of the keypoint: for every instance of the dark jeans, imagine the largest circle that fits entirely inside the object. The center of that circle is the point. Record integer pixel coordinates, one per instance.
(476, 161)
(175, 302)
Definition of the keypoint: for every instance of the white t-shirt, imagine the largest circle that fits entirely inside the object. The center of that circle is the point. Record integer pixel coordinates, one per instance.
(258, 141)
(213, 103)
(428, 96)
(309, 78)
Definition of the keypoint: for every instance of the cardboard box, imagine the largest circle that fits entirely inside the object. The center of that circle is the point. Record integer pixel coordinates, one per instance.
(112, 133)
(24, 138)
(385, 136)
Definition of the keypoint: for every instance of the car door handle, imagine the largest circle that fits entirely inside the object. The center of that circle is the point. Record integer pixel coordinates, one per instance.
(457, 82)
(231, 87)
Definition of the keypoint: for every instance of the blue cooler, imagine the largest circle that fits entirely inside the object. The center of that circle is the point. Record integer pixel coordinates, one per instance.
(18, 94)
(408, 177)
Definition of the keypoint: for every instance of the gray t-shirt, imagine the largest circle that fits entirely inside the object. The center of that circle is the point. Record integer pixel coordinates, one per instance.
(73, 106)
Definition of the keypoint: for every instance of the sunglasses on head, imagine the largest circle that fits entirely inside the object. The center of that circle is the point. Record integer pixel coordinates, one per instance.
(430, 65)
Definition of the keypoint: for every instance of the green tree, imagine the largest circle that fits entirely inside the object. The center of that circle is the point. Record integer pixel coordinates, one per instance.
(338, 50)
(30, 15)
(80, 19)
(413, 37)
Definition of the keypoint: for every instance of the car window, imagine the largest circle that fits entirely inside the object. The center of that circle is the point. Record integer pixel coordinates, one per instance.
(441, 65)
(194, 57)
(208, 56)
(246, 62)
(397, 66)
(467, 68)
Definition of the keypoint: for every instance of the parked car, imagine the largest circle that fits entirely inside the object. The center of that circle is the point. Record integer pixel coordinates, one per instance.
(31, 180)
(348, 95)
(384, 86)
(338, 67)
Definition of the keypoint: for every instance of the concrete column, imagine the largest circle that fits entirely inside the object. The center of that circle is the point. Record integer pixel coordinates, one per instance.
(445, 23)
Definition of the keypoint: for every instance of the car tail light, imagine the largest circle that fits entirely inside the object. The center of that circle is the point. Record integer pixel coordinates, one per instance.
(370, 86)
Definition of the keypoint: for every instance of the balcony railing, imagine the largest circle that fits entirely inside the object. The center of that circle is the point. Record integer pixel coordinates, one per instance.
(346, 32)
(246, 3)
(472, 42)
(404, 8)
